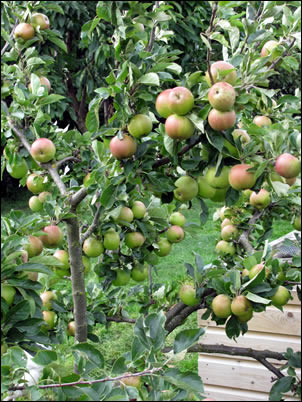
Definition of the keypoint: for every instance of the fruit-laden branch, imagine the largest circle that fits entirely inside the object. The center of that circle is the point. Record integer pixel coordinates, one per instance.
(244, 238)
(208, 32)
(60, 163)
(94, 223)
(284, 54)
(78, 197)
(7, 43)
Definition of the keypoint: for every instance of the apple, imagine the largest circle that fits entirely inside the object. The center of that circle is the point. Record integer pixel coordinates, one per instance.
(204, 189)
(186, 188)
(161, 104)
(242, 134)
(34, 246)
(240, 178)
(3, 348)
(226, 222)
(281, 297)
(139, 273)
(240, 305)
(262, 121)
(139, 210)
(268, 47)
(164, 247)
(175, 234)
(187, 295)
(41, 20)
(132, 381)
(47, 298)
(35, 204)
(288, 166)
(53, 236)
(86, 263)
(71, 328)
(177, 218)
(93, 247)
(261, 199)
(229, 232)
(274, 176)
(256, 269)
(8, 293)
(220, 121)
(297, 223)
(44, 196)
(43, 150)
(245, 272)
(219, 194)
(63, 256)
(35, 183)
(221, 306)
(246, 316)
(24, 31)
(50, 318)
(43, 82)
(225, 248)
(124, 148)
(223, 211)
(218, 181)
(291, 181)
(18, 169)
(126, 215)
(111, 240)
(140, 125)
(180, 100)
(134, 239)
(122, 277)
(179, 127)
(222, 96)
(231, 77)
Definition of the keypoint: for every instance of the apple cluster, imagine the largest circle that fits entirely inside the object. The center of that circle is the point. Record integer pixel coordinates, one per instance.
(27, 31)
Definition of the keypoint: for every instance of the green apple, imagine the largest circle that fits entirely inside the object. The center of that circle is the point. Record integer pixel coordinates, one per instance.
(50, 318)
(246, 316)
(229, 232)
(40, 20)
(93, 247)
(35, 204)
(139, 210)
(122, 277)
(186, 188)
(257, 268)
(180, 100)
(187, 295)
(47, 297)
(297, 223)
(242, 134)
(86, 263)
(288, 166)
(221, 306)
(220, 181)
(111, 240)
(45, 195)
(268, 48)
(35, 183)
(8, 293)
(219, 194)
(140, 125)
(281, 297)
(204, 189)
(226, 222)
(139, 273)
(177, 218)
(175, 234)
(218, 67)
(225, 248)
(132, 381)
(262, 121)
(34, 246)
(222, 96)
(134, 239)
(126, 215)
(179, 127)
(261, 199)
(17, 169)
(63, 256)
(240, 305)
(164, 247)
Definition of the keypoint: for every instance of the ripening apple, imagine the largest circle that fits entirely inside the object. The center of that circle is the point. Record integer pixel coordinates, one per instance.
(288, 166)
(229, 232)
(139, 210)
(17, 169)
(240, 305)
(226, 222)
(297, 223)
(44, 196)
(231, 77)
(71, 328)
(240, 178)
(262, 121)
(43, 82)
(122, 277)
(50, 318)
(63, 256)
(124, 148)
(258, 268)
(179, 127)
(222, 96)
(187, 295)
(245, 317)
(134, 239)
(34, 246)
(281, 297)
(53, 236)
(180, 100)
(132, 381)
(111, 240)
(245, 272)
(274, 176)
(126, 215)
(261, 199)
(43, 150)
(220, 121)
(221, 306)
(291, 181)
(204, 189)
(186, 188)
(161, 104)
(177, 218)
(139, 273)
(35, 183)
(24, 31)
(8, 293)
(225, 248)
(35, 204)
(268, 47)
(223, 212)
(218, 181)
(175, 234)
(93, 247)
(242, 134)
(140, 125)
(41, 20)
(47, 299)
(164, 247)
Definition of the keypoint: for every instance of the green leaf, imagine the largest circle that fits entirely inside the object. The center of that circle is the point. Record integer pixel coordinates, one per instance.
(90, 353)
(169, 145)
(32, 266)
(257, 299)
(138, 349)
(219, 38)
(92, 120)
(232, 328)
(45, 357)
(58, 42)
(281, 386)
(149, 78)
(197, 121)
(188, 381)
(119, 366)
(50, 99)
(235, 279)
(187, 338)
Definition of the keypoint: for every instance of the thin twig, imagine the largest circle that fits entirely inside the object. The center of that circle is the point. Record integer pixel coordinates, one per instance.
(67, 159)
(272, 66)
(209, 31)
(94, 223)
(149, 46)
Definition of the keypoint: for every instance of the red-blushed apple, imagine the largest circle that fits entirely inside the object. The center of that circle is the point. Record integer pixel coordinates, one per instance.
(240, 178)
(288, 166)
(204, 189)
(186, 188)
(140, 125)
(231, 77)
(218, 181)
(257, 268)
(44, 196)
(262, 121)
(180, 100)
(221, 306)
(177, 218)
(132, 381)
(35, 183)
(63, 256)
(125, 215)
(17, 169)
(229, 232)
(226, 222)
(35, 204)
(134, 239)
(71, 328)
(43, 81)
(124, 148)
(34, 246)
(139, 209)
(175, 234)
(268, 47)
(179, 127)
(225, 248)
(50, 319)
(281, 297)
(261, 199)
(164, 247)
(220, 121)
(93, 247)
(122, 277)
(47, 298)
(222, 96)
(8, 293)
(242, 134)
(111, 240)
(43, 150)
(40, 20)
(139, 272)
(24, 31)
(240, 305)
(53, 236)
(187, 295)
(161, 104)
(297, 223)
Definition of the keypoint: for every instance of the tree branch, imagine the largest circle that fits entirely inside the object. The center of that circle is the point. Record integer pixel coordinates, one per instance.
(121, 319)
(270, 367)
(78, 197)
(94, 223)
(65, 160)
(244, 238)
(149, 46)
(208, 32)
(272, 66)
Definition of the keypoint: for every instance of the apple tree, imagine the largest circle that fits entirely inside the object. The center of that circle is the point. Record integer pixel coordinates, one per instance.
(117, 117)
